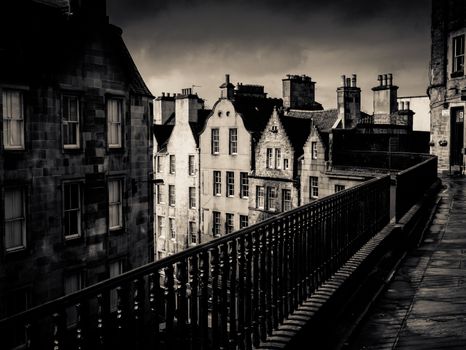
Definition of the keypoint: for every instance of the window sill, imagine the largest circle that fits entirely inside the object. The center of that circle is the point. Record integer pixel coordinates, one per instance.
(458, 74)
(116, 230)
(73, 238)
(16, 254)
(245, 197)
(229, 196)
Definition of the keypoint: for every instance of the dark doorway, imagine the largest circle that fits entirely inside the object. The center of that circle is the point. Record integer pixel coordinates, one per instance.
(457, 138)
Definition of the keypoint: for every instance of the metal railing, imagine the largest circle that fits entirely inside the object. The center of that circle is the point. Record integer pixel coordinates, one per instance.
(229, 293)
(413, 183)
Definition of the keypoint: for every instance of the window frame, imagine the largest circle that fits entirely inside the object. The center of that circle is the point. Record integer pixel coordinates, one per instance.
(159, 168)
(230, 184)
(260, 197)
(77, 145)
(339, 188)
(160, 189)
(79, 183)
(192, 232)
(21, 121)
(191, 165)
(278, 158)
(216, 223)
(172, 164)
(314, 187)
(314, 151)
(233, 141)
(456, 55)
(243, 218)
(244, 185)
(286, 202)
(215, 141)
(121, 211)
(171, 197)
(217, 183)
(160, 226)
(269, 158)
(23, 218)
(229, 223)
(286, 164)
(192, 197)
(120, 129)
(172, 228)
(271, 198)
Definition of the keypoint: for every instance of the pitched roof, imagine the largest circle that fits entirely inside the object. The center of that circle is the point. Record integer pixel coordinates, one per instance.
(323, 120)
(298, 130)
(162, 134)
(256, 111)
(196, 128)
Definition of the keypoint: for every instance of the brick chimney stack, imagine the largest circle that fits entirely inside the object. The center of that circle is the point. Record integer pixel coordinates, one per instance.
(349, 101)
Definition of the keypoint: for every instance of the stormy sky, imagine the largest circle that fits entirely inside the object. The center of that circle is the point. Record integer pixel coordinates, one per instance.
(184, 43)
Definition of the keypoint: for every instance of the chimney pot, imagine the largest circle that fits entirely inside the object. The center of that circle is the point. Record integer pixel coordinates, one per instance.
(353, 80)
(168, 94)
(163, 94)
(407, 105)
(389, 79)
(343, 80)
(227, 78)
(348, 82)
(402, 105)
(379, 78)
(384, 81)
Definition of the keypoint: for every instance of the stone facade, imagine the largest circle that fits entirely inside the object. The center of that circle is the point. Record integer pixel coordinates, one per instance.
(75, 182)
(273, 173)
(447, 89)
(176, 163)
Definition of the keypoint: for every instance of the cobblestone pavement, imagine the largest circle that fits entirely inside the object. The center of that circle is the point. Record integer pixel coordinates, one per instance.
(424, 306)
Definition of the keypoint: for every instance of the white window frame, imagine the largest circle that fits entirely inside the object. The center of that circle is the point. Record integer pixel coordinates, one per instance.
(192, 197)
(278, 158)
(244, 183)
(217, 183)
(118, 203)
(458, 53)
(269, 158)
(215, 141)
(191, 165)
(68, 123)
(160, 193)
(10, 221)
(339, 188)
(286, 200)
(115, 120)
(216, 223)
(233, 141)
(230, 182)
(260, 197)
(159, 164)
(160, 225)
(314, 186)
(243, 221)
(77, 211)
(314, 149)
(192, 232)
(9, 118)
(172, 228)
(172, 164)
(271, 198)
(286, 164)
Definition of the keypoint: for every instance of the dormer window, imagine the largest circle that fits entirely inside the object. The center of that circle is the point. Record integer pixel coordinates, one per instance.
(274, 128)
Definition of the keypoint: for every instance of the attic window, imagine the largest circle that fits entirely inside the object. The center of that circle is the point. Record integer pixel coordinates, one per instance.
(228, 113)
(219, 113)
(274, 128)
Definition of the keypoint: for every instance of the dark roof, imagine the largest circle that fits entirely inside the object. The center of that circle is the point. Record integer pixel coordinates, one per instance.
(196, 128)
(323, 120)
(256, 111)
(162, 134)
(298, 130)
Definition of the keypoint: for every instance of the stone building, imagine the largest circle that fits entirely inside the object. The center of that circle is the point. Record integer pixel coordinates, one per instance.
(420, 105)
(227, 144)
(447, 88)
(76, 158)
(176, 171)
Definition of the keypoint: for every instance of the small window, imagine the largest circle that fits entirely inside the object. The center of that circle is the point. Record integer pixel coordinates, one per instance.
(70, 116)
(73, 283)
(243, 221)
(286, 200)
(339, 188)
(160, 225)
(286, 165)
(192, 197)
(114, 123)
(233, 141)
(160, 194)
(171, 195)
(314, 186)
(13, 120)
(269, 158)
(15, 220)
(115, 204)
(191, 165)
(172, 228)
(230, 223)
(260, 197)
(215, 141)
(159, 164)
(230, 184)
(314, 150)
(217, 177)
(274, 129)
(72, 210)
(278, 158)
(244, 181)
(216, 223)
(172, 164)
(271, 198)
(192, 232)
(458, 54)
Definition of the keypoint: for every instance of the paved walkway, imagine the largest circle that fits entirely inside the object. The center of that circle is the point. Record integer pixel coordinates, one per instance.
(424, 306)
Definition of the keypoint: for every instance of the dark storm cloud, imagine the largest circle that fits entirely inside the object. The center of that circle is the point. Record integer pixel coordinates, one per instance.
(177, 43)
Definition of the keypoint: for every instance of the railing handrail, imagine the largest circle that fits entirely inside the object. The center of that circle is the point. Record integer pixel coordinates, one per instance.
(130, 276)
(430, 158)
